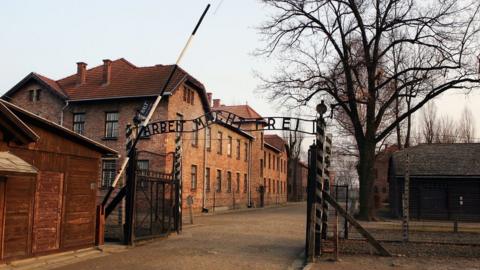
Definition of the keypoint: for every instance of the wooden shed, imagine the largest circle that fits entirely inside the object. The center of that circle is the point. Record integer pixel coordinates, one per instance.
(444, 181)
(48, 185)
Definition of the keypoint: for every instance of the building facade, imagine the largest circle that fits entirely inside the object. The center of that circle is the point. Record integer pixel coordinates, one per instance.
(221, 165)
(297, 182)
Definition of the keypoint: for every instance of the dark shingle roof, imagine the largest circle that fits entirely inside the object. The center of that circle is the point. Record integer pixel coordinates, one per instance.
(460, 159)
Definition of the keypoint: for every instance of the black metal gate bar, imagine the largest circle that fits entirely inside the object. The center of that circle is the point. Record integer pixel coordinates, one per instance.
(154, 205)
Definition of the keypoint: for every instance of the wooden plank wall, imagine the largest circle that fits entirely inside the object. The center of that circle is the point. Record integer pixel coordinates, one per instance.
(79, 207)
(48, 212)
(18, 212)
(55, 210)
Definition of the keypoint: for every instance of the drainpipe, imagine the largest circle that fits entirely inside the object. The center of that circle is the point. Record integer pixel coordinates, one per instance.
(61, 112)
(204, 193)
(249, 182)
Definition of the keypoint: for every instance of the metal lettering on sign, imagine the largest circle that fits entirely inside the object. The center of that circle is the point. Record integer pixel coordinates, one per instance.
(231, 119)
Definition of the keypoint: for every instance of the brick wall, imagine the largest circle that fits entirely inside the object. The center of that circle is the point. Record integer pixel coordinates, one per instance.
(50, 107)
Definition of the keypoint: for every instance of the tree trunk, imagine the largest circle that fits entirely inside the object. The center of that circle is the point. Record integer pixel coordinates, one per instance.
(366, 178)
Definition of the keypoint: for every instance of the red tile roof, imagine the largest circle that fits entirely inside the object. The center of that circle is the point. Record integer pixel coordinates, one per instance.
(52, 84)
(127, 80)
(276, 141)
(244, 111)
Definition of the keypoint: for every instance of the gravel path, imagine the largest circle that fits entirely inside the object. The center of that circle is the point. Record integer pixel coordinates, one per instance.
(257, 239)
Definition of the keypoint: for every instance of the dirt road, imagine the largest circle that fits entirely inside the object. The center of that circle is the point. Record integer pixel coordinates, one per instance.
(259, 239)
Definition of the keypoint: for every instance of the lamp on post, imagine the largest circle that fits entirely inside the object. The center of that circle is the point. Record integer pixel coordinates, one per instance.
(322, 108)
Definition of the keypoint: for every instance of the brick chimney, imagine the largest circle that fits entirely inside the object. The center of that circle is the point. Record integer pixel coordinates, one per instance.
(216, 103)
(209, 98)
(81, 73)
(107, 71)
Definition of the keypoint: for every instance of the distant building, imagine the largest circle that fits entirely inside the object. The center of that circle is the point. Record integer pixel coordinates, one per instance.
(297, 182)
(444, 181)
(380, 188)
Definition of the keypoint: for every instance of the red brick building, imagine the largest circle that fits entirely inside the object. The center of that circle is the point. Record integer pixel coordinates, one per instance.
(297, 182)
(220, 166)
(381, 166)
(268, 163)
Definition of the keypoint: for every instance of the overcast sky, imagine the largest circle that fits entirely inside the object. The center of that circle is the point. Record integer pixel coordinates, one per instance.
(49, 37)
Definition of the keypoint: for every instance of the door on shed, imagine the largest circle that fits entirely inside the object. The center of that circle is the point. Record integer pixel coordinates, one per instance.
(19, 193)
(79, 203)
(48, 211)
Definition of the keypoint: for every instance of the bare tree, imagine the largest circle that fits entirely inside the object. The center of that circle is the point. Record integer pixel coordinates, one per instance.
(294, 150)
(430, 125)
(341, 50)
(447, 130)
(466, 129)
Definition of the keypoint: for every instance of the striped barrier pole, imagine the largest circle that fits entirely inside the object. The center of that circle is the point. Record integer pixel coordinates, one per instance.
(177, 170)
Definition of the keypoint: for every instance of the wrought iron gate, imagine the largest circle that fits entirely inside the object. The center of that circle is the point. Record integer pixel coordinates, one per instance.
(155, 209)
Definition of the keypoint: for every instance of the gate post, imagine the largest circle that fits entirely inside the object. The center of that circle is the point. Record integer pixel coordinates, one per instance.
(128, 232)
(311, 213)
(320, 138)
(327, 150)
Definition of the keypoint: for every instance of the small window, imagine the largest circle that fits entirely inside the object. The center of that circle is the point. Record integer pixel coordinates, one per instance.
(278, 163)
(261, 167)
(261, 141)
(208, 138)
(219, 140)
(34, 95)
(229, 181)
(207, 179)
(193, 182)
(79, 123)
(229, 146)
(238, 149)
(273, 159)
(108, 172)
(269, 185)
(269, 161)
(143, 165)
(111, 125)
(246, 152)
(219, 181)
(195, 138)
(245, 183)
(238, 183)
(188, 95)
(265, 159)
